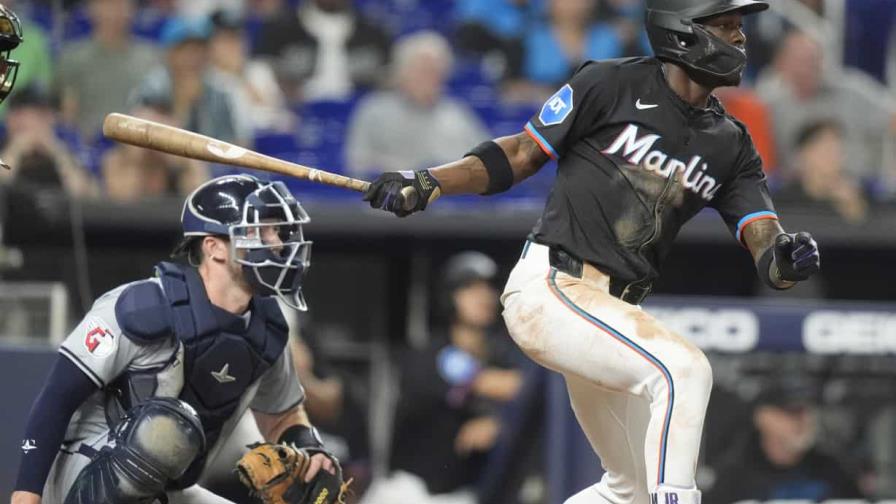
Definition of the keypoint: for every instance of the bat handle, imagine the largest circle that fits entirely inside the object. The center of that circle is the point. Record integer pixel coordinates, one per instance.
(409, 198)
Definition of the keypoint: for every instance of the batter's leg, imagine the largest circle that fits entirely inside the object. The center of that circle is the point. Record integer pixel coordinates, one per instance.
(574, 326)
(616, 426)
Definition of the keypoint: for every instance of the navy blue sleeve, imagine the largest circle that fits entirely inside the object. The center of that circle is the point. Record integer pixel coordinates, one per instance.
(65, 390)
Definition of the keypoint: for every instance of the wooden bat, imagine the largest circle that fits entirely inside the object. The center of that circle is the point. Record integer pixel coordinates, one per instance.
(161, 137)
(180, 142)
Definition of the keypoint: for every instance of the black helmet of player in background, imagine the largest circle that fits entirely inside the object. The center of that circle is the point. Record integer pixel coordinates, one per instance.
(676, 35)
(237, 207)
(461, 270)
(10, 38)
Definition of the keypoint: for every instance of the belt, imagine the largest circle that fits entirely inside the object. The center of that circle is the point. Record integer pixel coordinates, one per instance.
(630, 292)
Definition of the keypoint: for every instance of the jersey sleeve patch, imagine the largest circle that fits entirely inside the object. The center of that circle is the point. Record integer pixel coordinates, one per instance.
(558, 107)
(99, 341)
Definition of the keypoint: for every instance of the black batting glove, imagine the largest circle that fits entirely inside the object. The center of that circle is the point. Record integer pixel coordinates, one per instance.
(796, 256)
(388, 192)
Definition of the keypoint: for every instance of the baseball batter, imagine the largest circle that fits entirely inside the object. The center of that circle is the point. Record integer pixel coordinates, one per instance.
(151, 383)
(642, 146)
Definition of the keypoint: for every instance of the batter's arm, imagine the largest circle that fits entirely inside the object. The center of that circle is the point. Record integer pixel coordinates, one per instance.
(759, 237)
(782, 259)
(469, 175)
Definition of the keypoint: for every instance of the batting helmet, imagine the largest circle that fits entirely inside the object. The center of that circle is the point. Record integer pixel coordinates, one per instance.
(10, 38)
(676, 35)
(238, 207)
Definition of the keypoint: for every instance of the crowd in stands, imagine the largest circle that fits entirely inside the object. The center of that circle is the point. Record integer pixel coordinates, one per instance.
(362, 86)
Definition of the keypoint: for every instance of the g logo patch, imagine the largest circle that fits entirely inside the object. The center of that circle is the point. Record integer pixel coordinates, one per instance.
(98, 340)
(557, 108)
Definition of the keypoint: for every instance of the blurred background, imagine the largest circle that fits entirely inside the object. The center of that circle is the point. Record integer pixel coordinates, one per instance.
(408, 369)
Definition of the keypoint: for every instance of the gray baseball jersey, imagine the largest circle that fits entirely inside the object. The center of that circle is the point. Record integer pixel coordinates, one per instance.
(98, 347)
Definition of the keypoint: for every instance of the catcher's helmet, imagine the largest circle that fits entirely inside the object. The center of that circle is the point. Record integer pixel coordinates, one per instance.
(238, 207)
(676, 35)
(10, 38)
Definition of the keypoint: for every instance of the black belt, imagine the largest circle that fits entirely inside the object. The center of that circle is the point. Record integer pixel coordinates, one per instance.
(630, 292)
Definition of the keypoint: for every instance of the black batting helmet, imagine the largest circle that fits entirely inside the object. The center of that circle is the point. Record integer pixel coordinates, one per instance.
(237, 207)
(10, 38)
(676, 35)
(461, 270)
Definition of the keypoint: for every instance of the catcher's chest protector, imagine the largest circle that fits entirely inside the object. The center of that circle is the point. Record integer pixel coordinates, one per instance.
(222, 356)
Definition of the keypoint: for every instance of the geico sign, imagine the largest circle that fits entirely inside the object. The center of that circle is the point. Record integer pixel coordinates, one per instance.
(857, 332)
(831, 501)
(723, 329)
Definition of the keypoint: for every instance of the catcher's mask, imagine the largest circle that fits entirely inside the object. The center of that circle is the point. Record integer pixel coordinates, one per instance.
(10, 38)
(677, 35)
(263, 222)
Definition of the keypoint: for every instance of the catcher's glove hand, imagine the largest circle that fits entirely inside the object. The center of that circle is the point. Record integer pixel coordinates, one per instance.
(276, 474)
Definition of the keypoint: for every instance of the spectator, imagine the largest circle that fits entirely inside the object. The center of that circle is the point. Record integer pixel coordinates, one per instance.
(258, 103)
(415, 125)
(34, 151)
(97, 75)
(197, 103)
(780, 460)
(493, 29)
(206, 8)
(325, 51)
(570, 37)
(798, 93)
(36, 69)
(820, 180)
(132, 174)
(450, 394)
(628, 18)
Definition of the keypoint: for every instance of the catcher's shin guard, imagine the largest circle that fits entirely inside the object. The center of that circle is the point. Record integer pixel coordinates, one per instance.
(155, 444)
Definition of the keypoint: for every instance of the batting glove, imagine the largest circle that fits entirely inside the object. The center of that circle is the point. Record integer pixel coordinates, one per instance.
(404, 192)
(796, 256)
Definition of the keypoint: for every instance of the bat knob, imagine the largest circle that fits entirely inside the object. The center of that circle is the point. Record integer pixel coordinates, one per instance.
(409, 197)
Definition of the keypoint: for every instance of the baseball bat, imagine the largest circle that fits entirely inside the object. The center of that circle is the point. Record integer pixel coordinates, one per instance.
(161, 137)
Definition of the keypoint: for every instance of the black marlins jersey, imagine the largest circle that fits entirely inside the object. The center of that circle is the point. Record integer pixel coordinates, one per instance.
(635, 162)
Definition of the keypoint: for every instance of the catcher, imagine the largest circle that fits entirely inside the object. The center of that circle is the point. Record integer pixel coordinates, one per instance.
(149, 386)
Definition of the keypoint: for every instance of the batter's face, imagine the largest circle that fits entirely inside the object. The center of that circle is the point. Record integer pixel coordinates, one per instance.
(728, 27)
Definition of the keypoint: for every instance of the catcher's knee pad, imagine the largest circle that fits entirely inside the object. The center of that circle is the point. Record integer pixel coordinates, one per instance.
(155, 444)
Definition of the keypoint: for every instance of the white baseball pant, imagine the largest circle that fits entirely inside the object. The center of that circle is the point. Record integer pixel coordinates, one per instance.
(638, 390)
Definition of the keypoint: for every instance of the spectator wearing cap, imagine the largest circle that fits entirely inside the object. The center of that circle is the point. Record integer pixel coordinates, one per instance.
(197, 102)
(95, 76)
(256, 98)
(324, 51)
(780, 460)
(38, 156)
(415, 124)
(451, 391)
(132, 174)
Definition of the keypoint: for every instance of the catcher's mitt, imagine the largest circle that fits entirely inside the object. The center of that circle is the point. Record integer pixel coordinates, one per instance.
(276, 474)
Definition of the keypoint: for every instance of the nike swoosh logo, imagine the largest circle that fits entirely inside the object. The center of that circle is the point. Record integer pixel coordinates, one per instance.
(644, 106)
